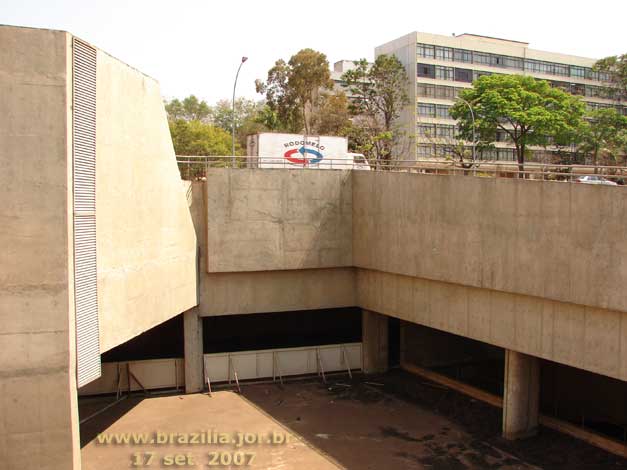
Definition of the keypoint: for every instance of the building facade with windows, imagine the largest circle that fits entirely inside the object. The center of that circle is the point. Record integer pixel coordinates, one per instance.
(439, 67)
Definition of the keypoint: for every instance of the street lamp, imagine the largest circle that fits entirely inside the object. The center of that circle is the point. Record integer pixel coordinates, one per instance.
(474, 129)
(244, 59)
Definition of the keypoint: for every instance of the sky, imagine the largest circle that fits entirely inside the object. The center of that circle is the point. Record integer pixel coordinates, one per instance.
(195, 47)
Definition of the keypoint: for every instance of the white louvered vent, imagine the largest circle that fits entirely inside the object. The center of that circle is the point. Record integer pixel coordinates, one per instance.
(84, 173)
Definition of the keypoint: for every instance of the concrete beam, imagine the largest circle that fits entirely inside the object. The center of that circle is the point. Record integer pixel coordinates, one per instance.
(521, 396)
(374, 333)
(192, 332)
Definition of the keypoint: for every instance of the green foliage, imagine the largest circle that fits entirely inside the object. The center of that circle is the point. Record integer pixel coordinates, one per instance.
(269, 119)
(292, 89)
(190, 109)
(378, 95)
(332, 116)
(247, 120)
(604, 135)
(616, 68)
(245, 110)
(530, 111)
(198, 138)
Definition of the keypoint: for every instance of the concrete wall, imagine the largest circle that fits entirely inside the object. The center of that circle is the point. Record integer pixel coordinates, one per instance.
(551, 240)
(584, 337)
(145, 237)
(517, 264)
(38, 415)
(262, 291)
(260, 220)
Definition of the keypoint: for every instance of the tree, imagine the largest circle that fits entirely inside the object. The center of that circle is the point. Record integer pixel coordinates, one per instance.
(292, 89)
(190, 109)
(247, 120)
(198, 138)
(616, 68)
(378, 94)
(529, 111)
(245, 110)
(332, 116)
(604, 135)
(269, 119)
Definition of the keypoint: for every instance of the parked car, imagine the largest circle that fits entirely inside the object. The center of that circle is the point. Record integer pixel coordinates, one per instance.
(595, 179)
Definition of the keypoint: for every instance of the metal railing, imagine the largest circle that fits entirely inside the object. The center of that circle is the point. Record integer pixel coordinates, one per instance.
(195, 167)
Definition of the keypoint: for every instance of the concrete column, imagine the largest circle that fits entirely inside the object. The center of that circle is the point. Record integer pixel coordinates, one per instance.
(522, 395)
(192, 332)
(374, 337)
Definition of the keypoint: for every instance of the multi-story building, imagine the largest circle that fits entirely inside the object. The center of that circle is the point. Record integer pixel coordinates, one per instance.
(439, 67)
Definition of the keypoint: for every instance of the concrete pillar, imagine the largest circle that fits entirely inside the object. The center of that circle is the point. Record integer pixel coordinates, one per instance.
(192, 332)
(374, 337)
(521, 396)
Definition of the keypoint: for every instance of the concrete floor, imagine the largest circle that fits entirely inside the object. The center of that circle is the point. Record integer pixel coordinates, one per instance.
(406, 423)
(224, 412)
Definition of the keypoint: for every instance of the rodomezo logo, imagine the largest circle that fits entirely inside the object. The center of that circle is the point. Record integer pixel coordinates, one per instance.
(303, 152)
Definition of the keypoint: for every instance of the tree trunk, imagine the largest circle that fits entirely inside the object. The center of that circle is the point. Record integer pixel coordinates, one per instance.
(305, 123)
(520, 157)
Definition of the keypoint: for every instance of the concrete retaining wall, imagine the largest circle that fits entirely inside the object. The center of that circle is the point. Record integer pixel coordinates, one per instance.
(553, 240)
(535, 267)
(38, 413)
(262, 290)
(262, 220)
(584, 337)
(146, 244)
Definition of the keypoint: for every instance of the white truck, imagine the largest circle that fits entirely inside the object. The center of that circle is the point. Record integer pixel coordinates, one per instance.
(272, 150)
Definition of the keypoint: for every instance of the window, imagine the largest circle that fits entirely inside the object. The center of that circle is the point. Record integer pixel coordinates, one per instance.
(425, 130)
(577, 72)
(497, 60)
(481, 58)
(443, 53)
(559, 69)
(537, 66)
(462, 55)
(513, 63)
(424, 89)
(424, 151)
(446, 92)
(426, 109)
(443, 151)
(591, 74)
(443, 73)
(424, 50)
(426, 70)
(463, 75)
(505, 154)
(444, 131)
(488, 154)
(442, 111)
(577, 89)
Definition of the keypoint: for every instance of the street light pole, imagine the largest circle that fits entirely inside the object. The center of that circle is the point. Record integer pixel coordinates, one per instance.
(474, 129)
(244, 59)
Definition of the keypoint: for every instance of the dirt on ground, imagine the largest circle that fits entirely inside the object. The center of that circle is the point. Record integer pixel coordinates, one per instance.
(398, 420)
(395, 420)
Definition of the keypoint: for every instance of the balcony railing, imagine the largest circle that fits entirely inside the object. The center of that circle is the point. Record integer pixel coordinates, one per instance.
(195, 167)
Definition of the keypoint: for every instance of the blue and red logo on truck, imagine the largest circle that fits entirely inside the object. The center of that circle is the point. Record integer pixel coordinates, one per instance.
(304, 152)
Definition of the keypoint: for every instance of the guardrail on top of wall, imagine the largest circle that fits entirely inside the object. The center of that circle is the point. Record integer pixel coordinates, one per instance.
(195, 167)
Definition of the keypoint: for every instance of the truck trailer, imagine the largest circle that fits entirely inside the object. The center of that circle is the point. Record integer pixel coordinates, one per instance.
(274, 150)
